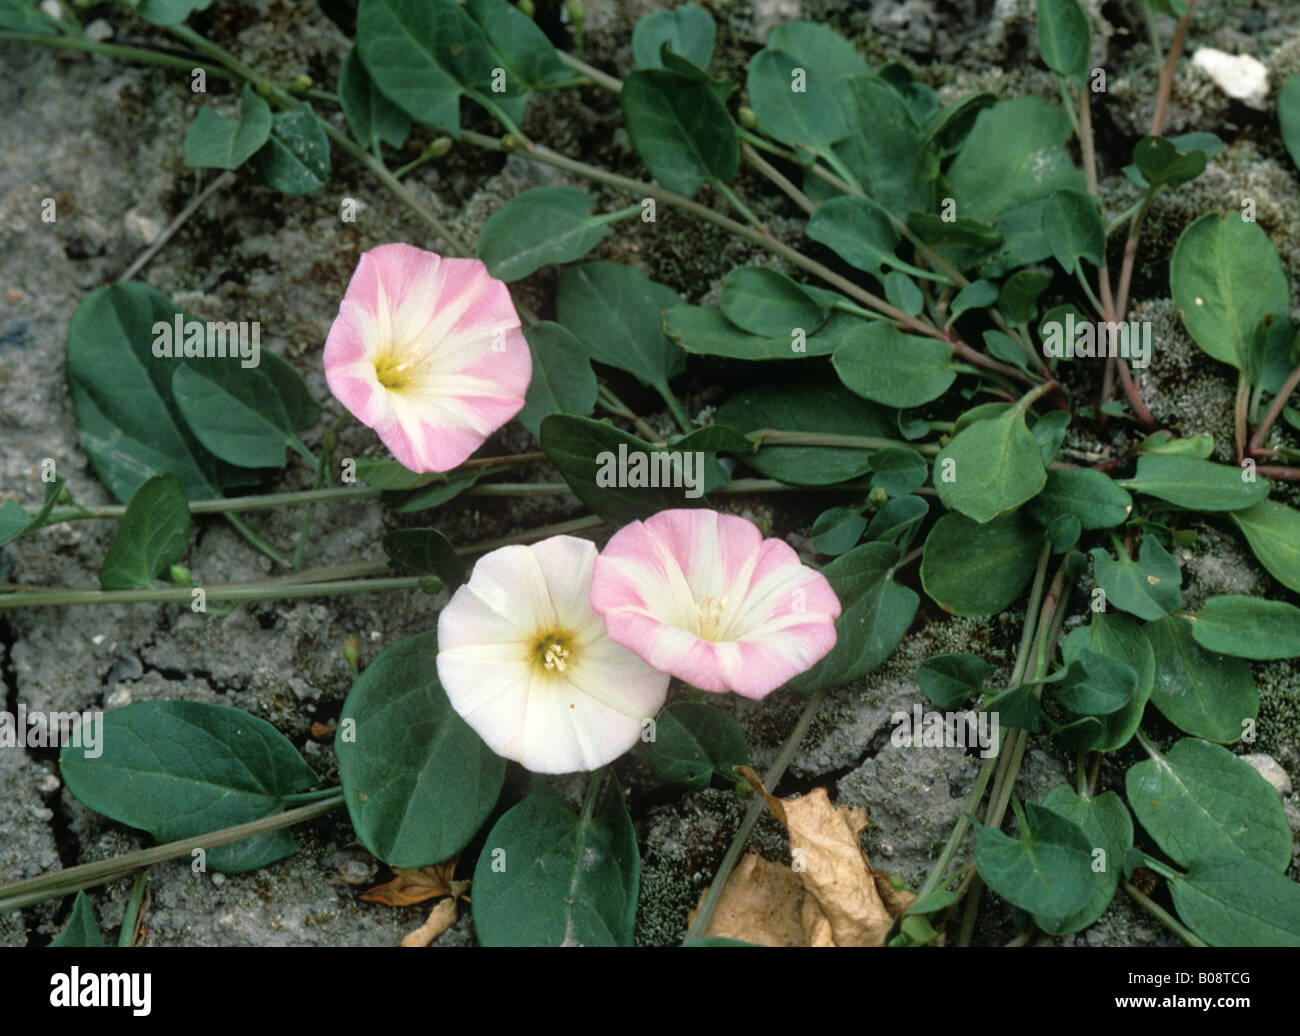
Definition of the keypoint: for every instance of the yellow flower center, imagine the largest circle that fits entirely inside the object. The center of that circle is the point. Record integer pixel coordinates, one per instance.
(553, 653)
(396, 373)
(710, 611)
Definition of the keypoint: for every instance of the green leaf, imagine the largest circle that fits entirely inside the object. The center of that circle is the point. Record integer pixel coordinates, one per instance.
(178, 769)
(296, 160)
(706, 332)
(975, 295)
(1204, 694)
(563, 381)
(21, 16)
(1150, 587)
(521, 47)
(898, 514)
(1047, 870)
(897, 471)
(809, 405)
(1096, 684)
(1161, 161)
(1225, 277)
(1238, 902)
(14, 519)
(612, 471)
(1074, 228)
(220, 143)
(82, 930)
(1247, 627)
(169, 12)
(766, 302)
(540, 226)
(975, 569)
(948, 680)
(692, 742)
(425, 552)
(883, 148)
(857, 232)
(234, 412)
(901, 291)
(1200, 802)
(837, 531)
(1118, 637)
(417, 780)
(1197, 485)
(548, 877)
(795, 102)
(423, 54)
(1065, 39)
(130, 425)
(875, 617)
(680, 128)
(617, 315)
(1288, 115)
(434, 494)
(881, 363)
(1014, 159)
(963, 242)
(152, 536)
(1273, 532)
(389, 474)
(1106, 823)
(371, 116)
(1090, 496)
(1018, 299)
(990, 468)
(299, 404)
(688, 29)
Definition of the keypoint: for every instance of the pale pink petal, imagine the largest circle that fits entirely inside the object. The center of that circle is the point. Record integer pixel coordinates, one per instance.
(703, 596)
(429, 352)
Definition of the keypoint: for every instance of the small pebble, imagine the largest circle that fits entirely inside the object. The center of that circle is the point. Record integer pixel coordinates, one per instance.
(1240, 76)
(99, 31)
(1271, 770)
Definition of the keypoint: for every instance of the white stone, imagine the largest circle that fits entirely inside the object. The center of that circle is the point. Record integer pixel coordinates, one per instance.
(99, 31)
(1239, 76)
(1271, 770)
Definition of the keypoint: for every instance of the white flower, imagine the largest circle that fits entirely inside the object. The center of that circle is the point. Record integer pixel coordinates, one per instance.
(529, 665)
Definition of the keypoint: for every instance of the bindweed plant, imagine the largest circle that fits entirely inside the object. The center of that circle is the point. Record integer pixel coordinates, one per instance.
(944, 353)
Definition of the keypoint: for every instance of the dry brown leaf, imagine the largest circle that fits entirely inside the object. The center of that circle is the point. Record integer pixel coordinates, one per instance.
(824, 847)
(830, 897)
(442, 918)
(415, 885)
(761, 903)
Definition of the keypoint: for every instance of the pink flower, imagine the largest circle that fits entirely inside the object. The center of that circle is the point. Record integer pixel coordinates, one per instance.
(428, 352)
(703, 596)
(529, 665)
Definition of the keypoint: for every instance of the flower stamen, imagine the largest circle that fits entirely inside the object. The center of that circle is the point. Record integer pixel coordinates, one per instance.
(710, 611)
(552, 653)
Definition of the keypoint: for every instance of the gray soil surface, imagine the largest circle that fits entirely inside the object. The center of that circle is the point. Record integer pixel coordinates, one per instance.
(103, 140)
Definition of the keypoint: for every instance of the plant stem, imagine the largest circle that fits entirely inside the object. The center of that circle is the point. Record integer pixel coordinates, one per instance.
(1163, 916)
(541, 154)
(72, 879)
(773, 437)
(258, 542)
(598, 77)
(130, 920)
(770, 780)
(1274, 411)
(113, 50)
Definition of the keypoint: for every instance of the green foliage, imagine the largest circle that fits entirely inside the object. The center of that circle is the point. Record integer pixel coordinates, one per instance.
(217, 142)
(550, 877)
(692, 743)
(179, 769)
(418, 782)
(542, 225)
(153, 535)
